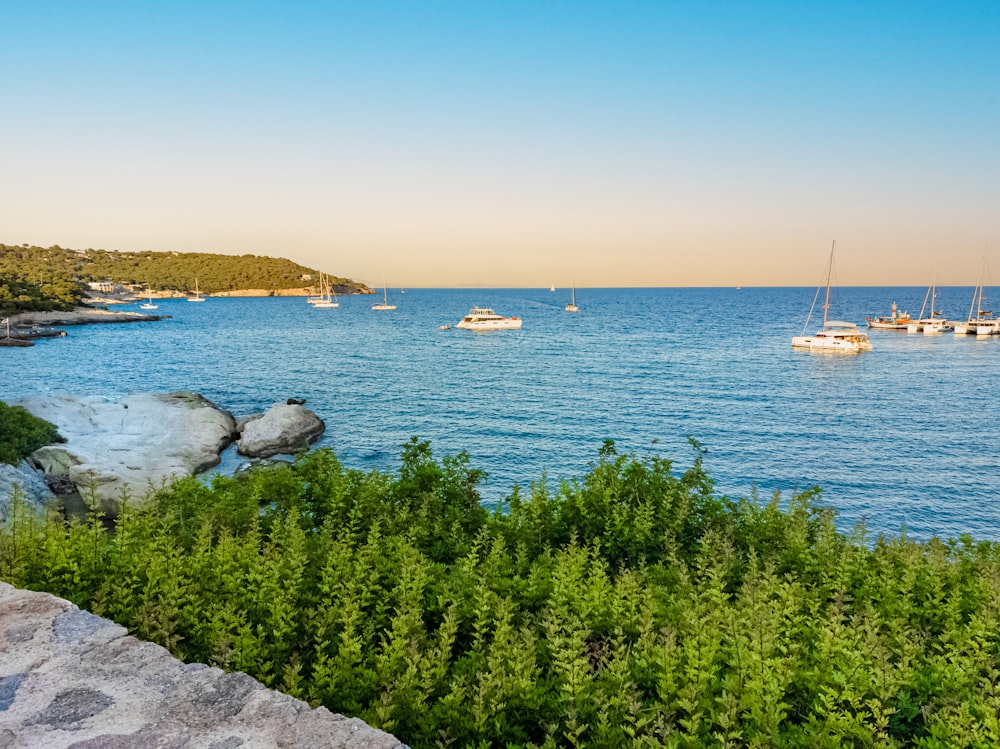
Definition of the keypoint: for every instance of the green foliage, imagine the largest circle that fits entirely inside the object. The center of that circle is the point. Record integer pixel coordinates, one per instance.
(38, 279)
(21, 433)
(631, 608)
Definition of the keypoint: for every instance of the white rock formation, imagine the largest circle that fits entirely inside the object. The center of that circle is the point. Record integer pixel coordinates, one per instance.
(284, 429)
(143, 440)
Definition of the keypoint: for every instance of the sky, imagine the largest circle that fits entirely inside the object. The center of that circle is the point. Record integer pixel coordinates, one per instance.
(513, 144)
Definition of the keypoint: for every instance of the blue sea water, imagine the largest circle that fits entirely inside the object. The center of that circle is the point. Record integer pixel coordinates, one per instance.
(906, 435)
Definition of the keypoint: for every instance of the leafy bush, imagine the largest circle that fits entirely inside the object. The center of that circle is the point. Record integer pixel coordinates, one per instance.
(21, 434)
(631, 608)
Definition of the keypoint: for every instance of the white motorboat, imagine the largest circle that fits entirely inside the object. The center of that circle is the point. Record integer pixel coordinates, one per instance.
(483, 318)
(835, 335)
(384, 305)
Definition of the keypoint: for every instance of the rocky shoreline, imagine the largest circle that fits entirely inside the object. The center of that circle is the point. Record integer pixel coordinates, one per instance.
(21, 329)
(126, 449)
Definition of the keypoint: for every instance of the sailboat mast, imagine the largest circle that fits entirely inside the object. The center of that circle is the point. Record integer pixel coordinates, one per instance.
(829, 273)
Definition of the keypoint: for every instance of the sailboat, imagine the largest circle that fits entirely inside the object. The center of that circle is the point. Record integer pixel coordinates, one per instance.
(385, 300)
(835, 335)
(935, 322)
(327, 298)
(552, 287)
(149, 304)
(984, 323)
(571, 307)
(196, 297)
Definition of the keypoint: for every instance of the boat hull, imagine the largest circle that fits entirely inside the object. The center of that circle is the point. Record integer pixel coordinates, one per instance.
(824, 343)
(505, 324)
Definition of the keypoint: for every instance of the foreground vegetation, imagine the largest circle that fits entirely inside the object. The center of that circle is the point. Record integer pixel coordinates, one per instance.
(631, 608)
(44, 278)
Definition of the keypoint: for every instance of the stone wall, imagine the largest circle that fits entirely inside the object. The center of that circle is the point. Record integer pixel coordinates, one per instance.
(71, 680)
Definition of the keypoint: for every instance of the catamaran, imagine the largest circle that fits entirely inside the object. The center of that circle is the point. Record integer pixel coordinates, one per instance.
(835, 335)
(935, 322)
(984, 323)
(484, 318)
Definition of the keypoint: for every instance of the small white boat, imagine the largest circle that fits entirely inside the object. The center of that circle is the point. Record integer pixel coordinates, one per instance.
(197, 296)
(384, 305)
(571, 307)
(552, 287)
(444, 327)
(327, 298)
(149, 304)
(835, 335)
(484, 318)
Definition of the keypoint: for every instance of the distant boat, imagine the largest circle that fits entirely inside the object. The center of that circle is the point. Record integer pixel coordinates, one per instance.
(935, 322)
(327, 298)
(197, 296)
(984, 323)
(835, 335)
(149, 304)
(552, 287)
(571, 307)
(896, 321)
(385, 300)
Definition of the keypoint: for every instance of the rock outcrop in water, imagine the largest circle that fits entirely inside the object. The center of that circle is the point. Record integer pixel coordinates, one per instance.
(69, 679)
(143, 440)
(284, 428)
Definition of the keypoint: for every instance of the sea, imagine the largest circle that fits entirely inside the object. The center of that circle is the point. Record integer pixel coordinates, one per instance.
(904, 437)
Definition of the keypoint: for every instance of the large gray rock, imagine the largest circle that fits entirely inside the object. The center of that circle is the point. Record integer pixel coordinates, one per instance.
(143, 441)
(71, 680)
(31, 486)
(284, 429)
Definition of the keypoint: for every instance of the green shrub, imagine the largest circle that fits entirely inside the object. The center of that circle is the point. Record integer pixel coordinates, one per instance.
(632, 608)
(21, 433)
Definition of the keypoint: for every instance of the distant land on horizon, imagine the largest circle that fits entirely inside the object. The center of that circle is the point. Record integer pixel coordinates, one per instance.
(164, 271)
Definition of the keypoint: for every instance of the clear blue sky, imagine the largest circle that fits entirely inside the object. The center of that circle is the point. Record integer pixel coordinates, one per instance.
(513, 143)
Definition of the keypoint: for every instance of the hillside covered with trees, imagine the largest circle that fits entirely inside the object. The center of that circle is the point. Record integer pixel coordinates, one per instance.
(38, 278)
(632, 608)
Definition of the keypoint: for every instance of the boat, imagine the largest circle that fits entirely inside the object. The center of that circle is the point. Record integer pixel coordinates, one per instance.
(484, 318)
(385, 301)
(197, 296)
(935, 322)
(327, 298)
(835, 335)
(896, 321)
(149, 304)
(571, 307)
(444, 327)
(552, 287)
(984, 323)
